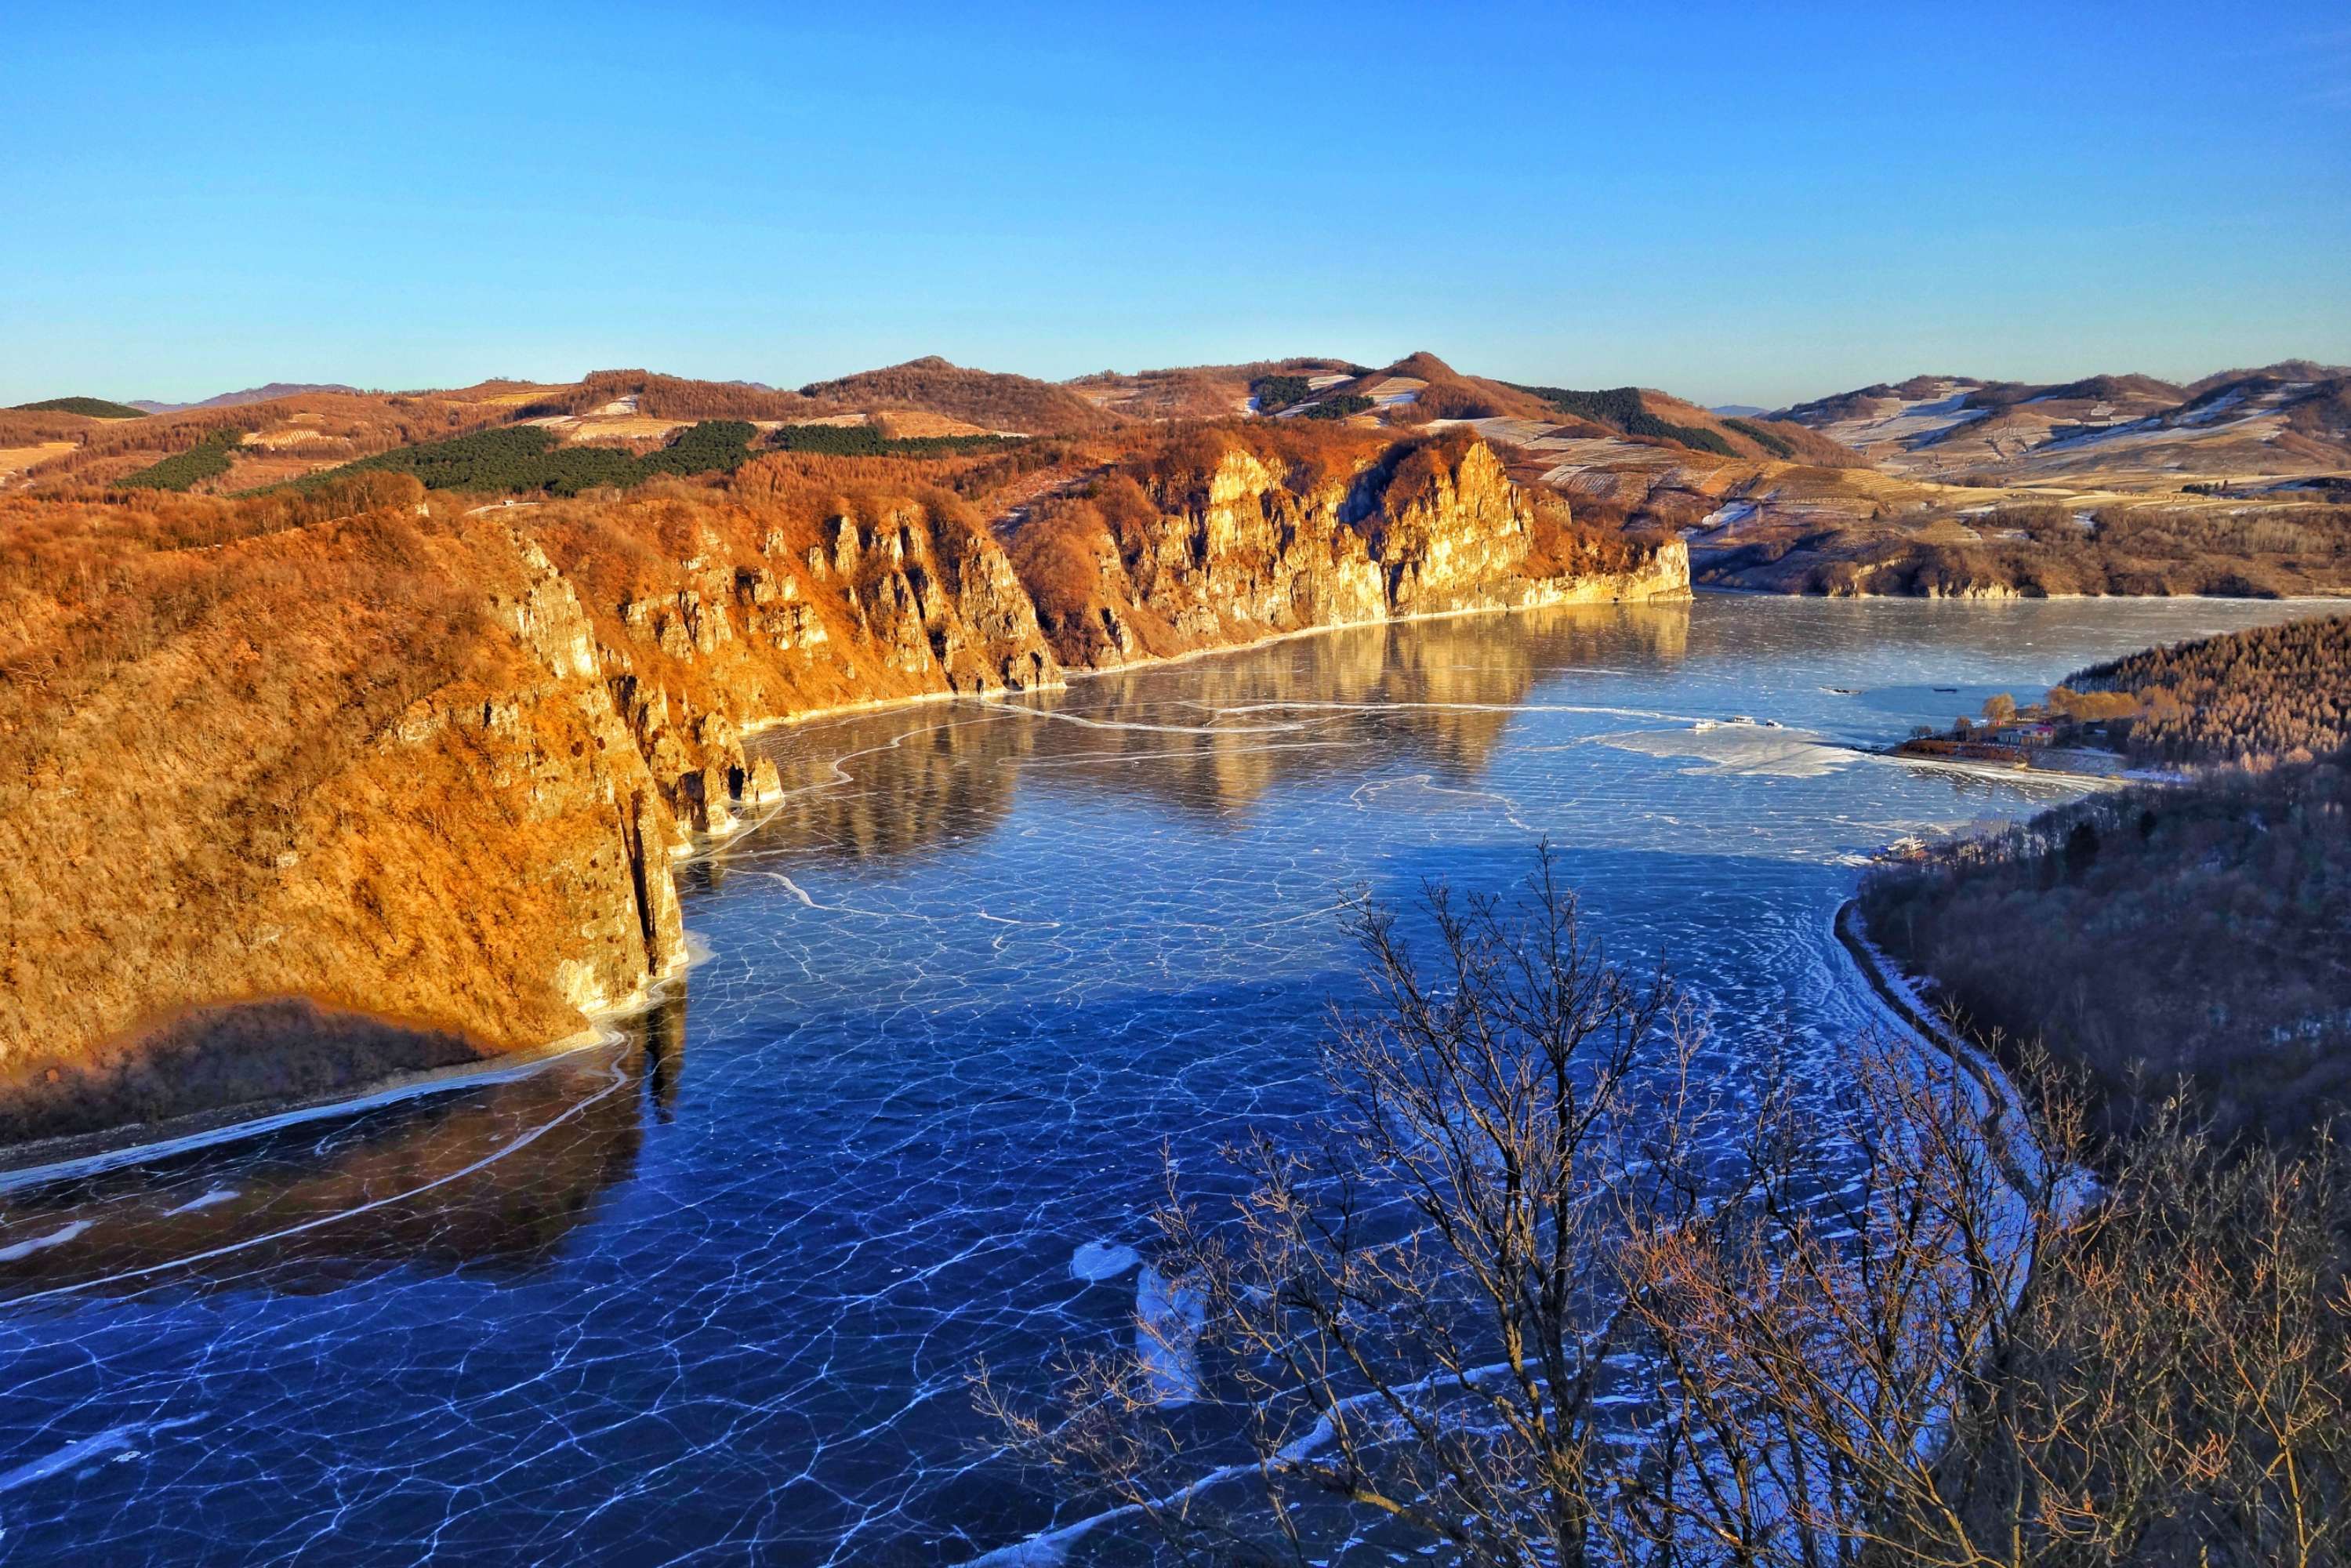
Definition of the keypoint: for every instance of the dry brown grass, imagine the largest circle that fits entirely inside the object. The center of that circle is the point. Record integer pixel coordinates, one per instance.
(987, 399)
(15, 460)
(284, 748)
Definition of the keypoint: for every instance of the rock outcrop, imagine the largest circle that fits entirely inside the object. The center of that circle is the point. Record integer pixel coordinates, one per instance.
(1156, 565)
(439, 772)
(370, 767)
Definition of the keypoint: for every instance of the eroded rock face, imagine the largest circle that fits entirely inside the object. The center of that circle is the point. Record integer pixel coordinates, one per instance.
(466, 844)
(1253, 553)
(740, 635)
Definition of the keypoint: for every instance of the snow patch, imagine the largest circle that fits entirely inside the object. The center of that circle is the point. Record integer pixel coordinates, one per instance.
(57, 1237)
(1169, 1315)
(1749, 748)
(1095, 1262)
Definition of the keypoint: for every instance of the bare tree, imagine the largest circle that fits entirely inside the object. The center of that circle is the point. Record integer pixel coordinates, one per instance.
(1411, 1313)
(1548, 1285)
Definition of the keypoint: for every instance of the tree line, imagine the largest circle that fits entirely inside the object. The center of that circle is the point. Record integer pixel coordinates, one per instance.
(2252, 696)
(88, 407)
(208, 459)
(1622, 408)
(1274, 394)
(1778, 445)
(517, 459)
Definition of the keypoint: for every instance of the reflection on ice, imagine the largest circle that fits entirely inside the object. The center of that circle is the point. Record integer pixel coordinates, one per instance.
(964, 985)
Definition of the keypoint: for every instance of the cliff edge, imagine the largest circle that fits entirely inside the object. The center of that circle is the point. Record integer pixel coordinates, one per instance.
(330, 787)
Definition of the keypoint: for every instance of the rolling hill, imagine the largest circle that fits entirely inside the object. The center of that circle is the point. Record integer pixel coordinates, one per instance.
(2283, 420)
(989, 399)
(88, 407)
(1940, 485)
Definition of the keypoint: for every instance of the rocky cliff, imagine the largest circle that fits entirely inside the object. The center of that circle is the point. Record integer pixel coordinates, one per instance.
(368, 765)
(317, 800)
(1150, 563)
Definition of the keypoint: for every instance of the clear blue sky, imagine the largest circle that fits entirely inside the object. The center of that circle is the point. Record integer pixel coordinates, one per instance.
(1735, 202)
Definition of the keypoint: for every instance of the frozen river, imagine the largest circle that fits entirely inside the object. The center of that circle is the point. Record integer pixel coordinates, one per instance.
(712, 1294)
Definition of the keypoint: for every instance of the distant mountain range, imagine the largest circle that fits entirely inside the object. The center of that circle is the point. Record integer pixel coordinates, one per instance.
(2293, 414)
(1757, 493)
(238, 399)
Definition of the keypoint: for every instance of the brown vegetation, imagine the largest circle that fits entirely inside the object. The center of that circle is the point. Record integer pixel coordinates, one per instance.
(987, 399)
(2036, 552)
(299, 747)
(347, 427)
(2246, 697)
(675, 398)
(2154, 936)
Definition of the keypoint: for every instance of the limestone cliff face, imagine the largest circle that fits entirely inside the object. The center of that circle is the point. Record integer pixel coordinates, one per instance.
(1248, 552)
(424, 809)
(1450, 536)
(441, 773)
(762, 622)
(631, 933)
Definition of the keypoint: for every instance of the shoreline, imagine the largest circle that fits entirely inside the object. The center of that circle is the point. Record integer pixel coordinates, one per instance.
(35, 1164)
(91, 1154)
(43, 1162)
(1070, 675)
(1736, 591)
(1153, 661)
(1898, 993)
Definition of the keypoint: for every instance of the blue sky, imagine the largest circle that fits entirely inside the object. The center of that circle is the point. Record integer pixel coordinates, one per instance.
(1735, 202)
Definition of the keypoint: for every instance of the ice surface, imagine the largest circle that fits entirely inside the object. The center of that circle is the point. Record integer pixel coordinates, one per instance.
(714, 1293)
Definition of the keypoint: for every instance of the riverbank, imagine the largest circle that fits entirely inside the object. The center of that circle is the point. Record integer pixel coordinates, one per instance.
(40, 1161)
(1899, 994)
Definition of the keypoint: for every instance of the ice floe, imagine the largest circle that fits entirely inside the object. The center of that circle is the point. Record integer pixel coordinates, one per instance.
(1169, 1315)
(57, 1237)
(1739, 748)
(1095, 1262)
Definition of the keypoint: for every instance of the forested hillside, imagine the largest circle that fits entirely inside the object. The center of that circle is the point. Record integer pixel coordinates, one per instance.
(88, 407)
(2273, 693)
(2197, 933)
(675, 398)
(987, 399)
(2155, 936)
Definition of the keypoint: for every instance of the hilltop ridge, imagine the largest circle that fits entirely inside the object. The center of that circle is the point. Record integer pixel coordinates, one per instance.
(2115, 482)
